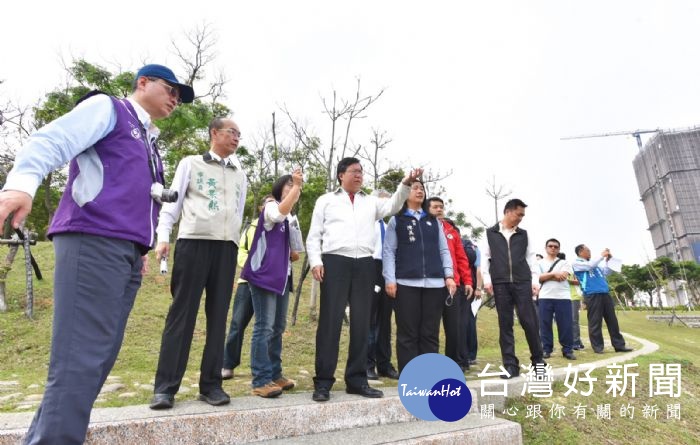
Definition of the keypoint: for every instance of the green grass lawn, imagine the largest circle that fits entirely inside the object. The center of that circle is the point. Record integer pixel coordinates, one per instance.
(24, 348)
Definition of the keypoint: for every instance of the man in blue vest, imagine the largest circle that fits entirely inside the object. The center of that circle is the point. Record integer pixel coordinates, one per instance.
(596, 293)
(101, 231)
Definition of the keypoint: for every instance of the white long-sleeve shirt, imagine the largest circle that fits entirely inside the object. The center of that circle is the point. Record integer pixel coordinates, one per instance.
(341, 227)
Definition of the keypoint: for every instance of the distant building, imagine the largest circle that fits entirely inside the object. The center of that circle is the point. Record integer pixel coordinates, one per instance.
(668, 176)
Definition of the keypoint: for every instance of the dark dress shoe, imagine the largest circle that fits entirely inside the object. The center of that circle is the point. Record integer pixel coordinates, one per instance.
(215, 397)
(365, 391)
(512, 370)
(598, 351)
(372, 374)
(625, 349)
(569, 355)
(546, 355)
(389, 373)
(162, 401)
(321, 395)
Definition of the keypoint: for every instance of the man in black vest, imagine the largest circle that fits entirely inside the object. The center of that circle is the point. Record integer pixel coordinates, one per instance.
(511, 276)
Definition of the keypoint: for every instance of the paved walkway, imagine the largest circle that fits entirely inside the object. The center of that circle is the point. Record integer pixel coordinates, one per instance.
(12, 424)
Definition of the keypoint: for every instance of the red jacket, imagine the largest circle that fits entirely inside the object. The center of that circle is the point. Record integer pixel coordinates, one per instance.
(460, 262)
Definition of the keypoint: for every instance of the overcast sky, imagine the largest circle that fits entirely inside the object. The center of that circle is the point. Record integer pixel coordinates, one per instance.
(481, 88)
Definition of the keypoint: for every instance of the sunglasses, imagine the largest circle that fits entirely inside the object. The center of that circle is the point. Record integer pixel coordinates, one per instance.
(172, 91)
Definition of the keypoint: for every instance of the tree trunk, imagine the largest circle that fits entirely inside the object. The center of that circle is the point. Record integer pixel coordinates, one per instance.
(297, 294)
(48, 205)
(29, 311)
(6, 268)
(312, 302)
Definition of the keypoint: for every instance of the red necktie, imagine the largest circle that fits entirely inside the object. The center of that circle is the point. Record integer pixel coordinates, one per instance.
(352, 197)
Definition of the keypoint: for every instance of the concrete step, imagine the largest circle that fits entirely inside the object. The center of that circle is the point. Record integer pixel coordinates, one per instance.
(470, 429)
(246, 419)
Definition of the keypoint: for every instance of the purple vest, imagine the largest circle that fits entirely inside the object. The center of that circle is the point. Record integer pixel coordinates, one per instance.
(123, 208)
(268, 257)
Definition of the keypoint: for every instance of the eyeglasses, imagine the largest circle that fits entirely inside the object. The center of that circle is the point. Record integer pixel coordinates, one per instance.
(552, 246)
(355, 172)
(172, 91)
(232, 131)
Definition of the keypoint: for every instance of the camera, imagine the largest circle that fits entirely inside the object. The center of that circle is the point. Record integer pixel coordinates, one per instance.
(161, 194)
(164, 266)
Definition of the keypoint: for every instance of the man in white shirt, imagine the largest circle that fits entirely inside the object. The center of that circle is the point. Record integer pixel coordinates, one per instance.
(555, 300)
(340, 245)
(210, 205)
(511, 276)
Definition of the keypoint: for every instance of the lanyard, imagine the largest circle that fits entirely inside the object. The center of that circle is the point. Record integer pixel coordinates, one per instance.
(151, 150)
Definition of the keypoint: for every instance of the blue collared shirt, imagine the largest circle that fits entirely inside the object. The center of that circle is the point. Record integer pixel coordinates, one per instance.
(62, 139)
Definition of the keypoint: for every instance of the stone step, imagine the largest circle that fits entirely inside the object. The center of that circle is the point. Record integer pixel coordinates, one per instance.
(470, 429)
(246, 419)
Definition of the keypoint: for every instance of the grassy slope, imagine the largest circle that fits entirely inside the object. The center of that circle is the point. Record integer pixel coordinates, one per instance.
(24, 348)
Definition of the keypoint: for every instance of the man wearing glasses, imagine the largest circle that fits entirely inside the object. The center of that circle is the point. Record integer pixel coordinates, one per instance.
(340, 245)
(211, 200)
(512, 278)
(101, 231)
(555, 300)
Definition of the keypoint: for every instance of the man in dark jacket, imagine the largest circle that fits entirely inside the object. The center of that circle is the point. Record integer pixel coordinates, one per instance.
(511, 276)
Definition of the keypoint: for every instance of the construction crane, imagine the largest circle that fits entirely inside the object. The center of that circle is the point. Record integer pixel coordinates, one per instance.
(636, 133)
(657, 183)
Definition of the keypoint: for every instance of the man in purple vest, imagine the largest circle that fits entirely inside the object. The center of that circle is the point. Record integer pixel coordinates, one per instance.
(102, 230)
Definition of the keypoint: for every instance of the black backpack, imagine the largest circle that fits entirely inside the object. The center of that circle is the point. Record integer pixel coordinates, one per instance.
(470, 250)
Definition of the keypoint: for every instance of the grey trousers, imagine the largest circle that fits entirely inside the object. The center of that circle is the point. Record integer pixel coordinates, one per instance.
(95, 284)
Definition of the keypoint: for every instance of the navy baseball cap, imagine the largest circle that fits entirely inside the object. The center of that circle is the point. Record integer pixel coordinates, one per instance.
(165, 73)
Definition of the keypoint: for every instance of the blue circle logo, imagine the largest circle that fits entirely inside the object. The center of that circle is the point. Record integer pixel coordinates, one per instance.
(433, 387)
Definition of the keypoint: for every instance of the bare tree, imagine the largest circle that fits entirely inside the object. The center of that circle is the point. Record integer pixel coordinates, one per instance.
(356, 110)
(379, 142)
(197, 54)
(275, 152)
(496, 192)
(257, 163)
(336, 109)
(432, 181)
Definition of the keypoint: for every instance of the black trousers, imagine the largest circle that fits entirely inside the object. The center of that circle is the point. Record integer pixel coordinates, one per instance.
(199, 265)
(451, 323)
(379, 352)
(346, 281)
(517, 296)
(470, 346)
(601, 307)
(418, 312)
